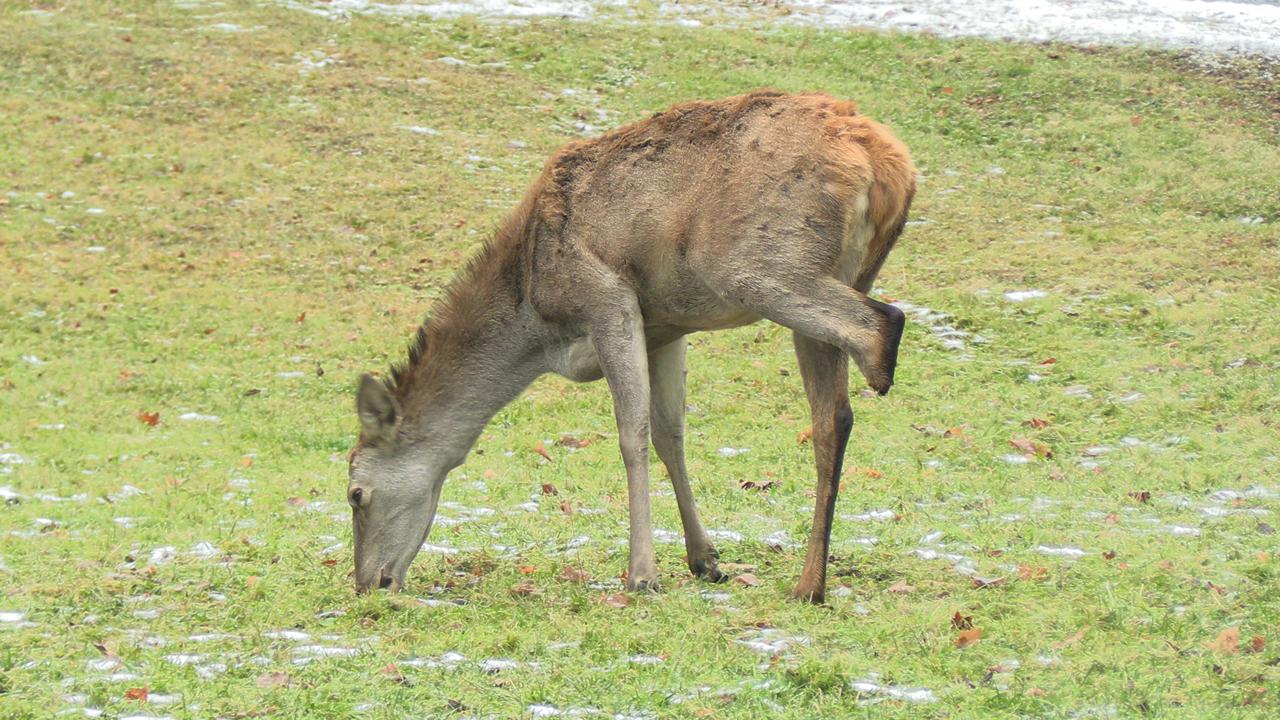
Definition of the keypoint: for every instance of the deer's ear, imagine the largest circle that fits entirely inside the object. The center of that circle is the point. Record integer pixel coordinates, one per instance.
(379, 412)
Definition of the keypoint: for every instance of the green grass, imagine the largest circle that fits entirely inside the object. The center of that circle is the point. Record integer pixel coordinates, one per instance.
(240, 190)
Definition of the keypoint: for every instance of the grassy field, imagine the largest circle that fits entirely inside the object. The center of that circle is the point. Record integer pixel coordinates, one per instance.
(214, 216)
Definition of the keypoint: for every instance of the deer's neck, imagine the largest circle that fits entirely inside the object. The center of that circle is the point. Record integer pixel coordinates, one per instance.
(482, 350)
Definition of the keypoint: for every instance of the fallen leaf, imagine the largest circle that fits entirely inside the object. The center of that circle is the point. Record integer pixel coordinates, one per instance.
(1256, 644)
(1032, 447)
(1049, 361)
(1227, 642)
(302, 317)
(961, 622)
(541, 450)
(616, 600)
(570, 441)
(1142, 496)
(295, 501)
(747, 580)
(565, 507)
(983, 583)
(524, 589)
(901, 588)
(1109, 555)
(1037, 423)
(1070, 640)
(954, 432)
(549, 489)
(139, 694)
(574, 575)
(967, 638)
(528, 569)
(804, 436)
(1035, 692)
(246, 461)
(757, 484)
(947, 90)
(273, 680)
(329, 563)
(251, 581)
(1135, 120)
(150, 418)
(1032, 572)
(490, 474)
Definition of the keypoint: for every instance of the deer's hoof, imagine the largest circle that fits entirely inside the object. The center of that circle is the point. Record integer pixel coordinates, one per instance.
(708, 570)
(644, 585)
(805, 593)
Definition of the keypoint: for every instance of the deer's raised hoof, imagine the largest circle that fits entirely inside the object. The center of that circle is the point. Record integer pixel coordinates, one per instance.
(879, 368)
(644, 585)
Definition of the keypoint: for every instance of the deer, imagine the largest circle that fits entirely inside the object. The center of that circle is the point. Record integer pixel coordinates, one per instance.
(708, 215)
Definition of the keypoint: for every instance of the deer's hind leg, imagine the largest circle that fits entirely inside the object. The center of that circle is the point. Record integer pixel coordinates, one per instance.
(825, 370)
(829, 311)
(666, 389)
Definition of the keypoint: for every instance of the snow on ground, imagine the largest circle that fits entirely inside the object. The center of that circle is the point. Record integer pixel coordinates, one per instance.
(1251, 26)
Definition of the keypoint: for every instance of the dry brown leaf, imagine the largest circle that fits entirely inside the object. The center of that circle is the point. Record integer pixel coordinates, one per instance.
(139, 693)
(151, 419)
(757, 484)
(954, 432)
(983, 583)
(528, 569)
(574, 575)
(524, 589)
(273, 680)
(1032, 447)
(1037, 423)
(295, 501)
(1142, 496)
(566, 507)
(1070, 640)
(549, 489)
(542, 450)
(967, 638)
(804, 436)
(1256, 644)
(1033, 572)
(302, 317)
(747, 580)
(1035, 692)
(570, 441)
(961, 622)
(1227, 642)
(901, 588)
(616, 600)
(1049, 361)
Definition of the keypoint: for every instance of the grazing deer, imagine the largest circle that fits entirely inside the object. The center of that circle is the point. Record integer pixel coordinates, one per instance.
(709, 215)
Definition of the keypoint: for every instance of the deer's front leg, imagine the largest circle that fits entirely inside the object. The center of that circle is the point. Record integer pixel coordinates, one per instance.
(618, 336)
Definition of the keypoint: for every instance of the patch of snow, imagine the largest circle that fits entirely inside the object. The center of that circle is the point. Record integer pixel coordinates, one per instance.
(1063, 551)
(1024, 295)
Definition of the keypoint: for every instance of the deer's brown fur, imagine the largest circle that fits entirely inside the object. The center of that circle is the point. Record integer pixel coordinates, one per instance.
(707, 215)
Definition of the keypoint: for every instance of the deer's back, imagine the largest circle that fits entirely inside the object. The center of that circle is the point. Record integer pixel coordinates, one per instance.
(793, 182)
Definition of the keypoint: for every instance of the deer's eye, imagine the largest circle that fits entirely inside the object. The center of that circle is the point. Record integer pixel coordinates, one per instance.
(356, 497)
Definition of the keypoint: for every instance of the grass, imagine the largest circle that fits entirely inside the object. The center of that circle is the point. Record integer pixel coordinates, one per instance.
(234, 224)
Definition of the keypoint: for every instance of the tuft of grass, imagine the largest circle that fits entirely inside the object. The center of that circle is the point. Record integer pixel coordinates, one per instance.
(229, 226)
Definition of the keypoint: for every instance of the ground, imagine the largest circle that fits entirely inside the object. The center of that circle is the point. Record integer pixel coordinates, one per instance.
(213, 217)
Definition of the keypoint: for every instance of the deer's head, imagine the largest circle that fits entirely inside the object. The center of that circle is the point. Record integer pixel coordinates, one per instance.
(394, 486)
